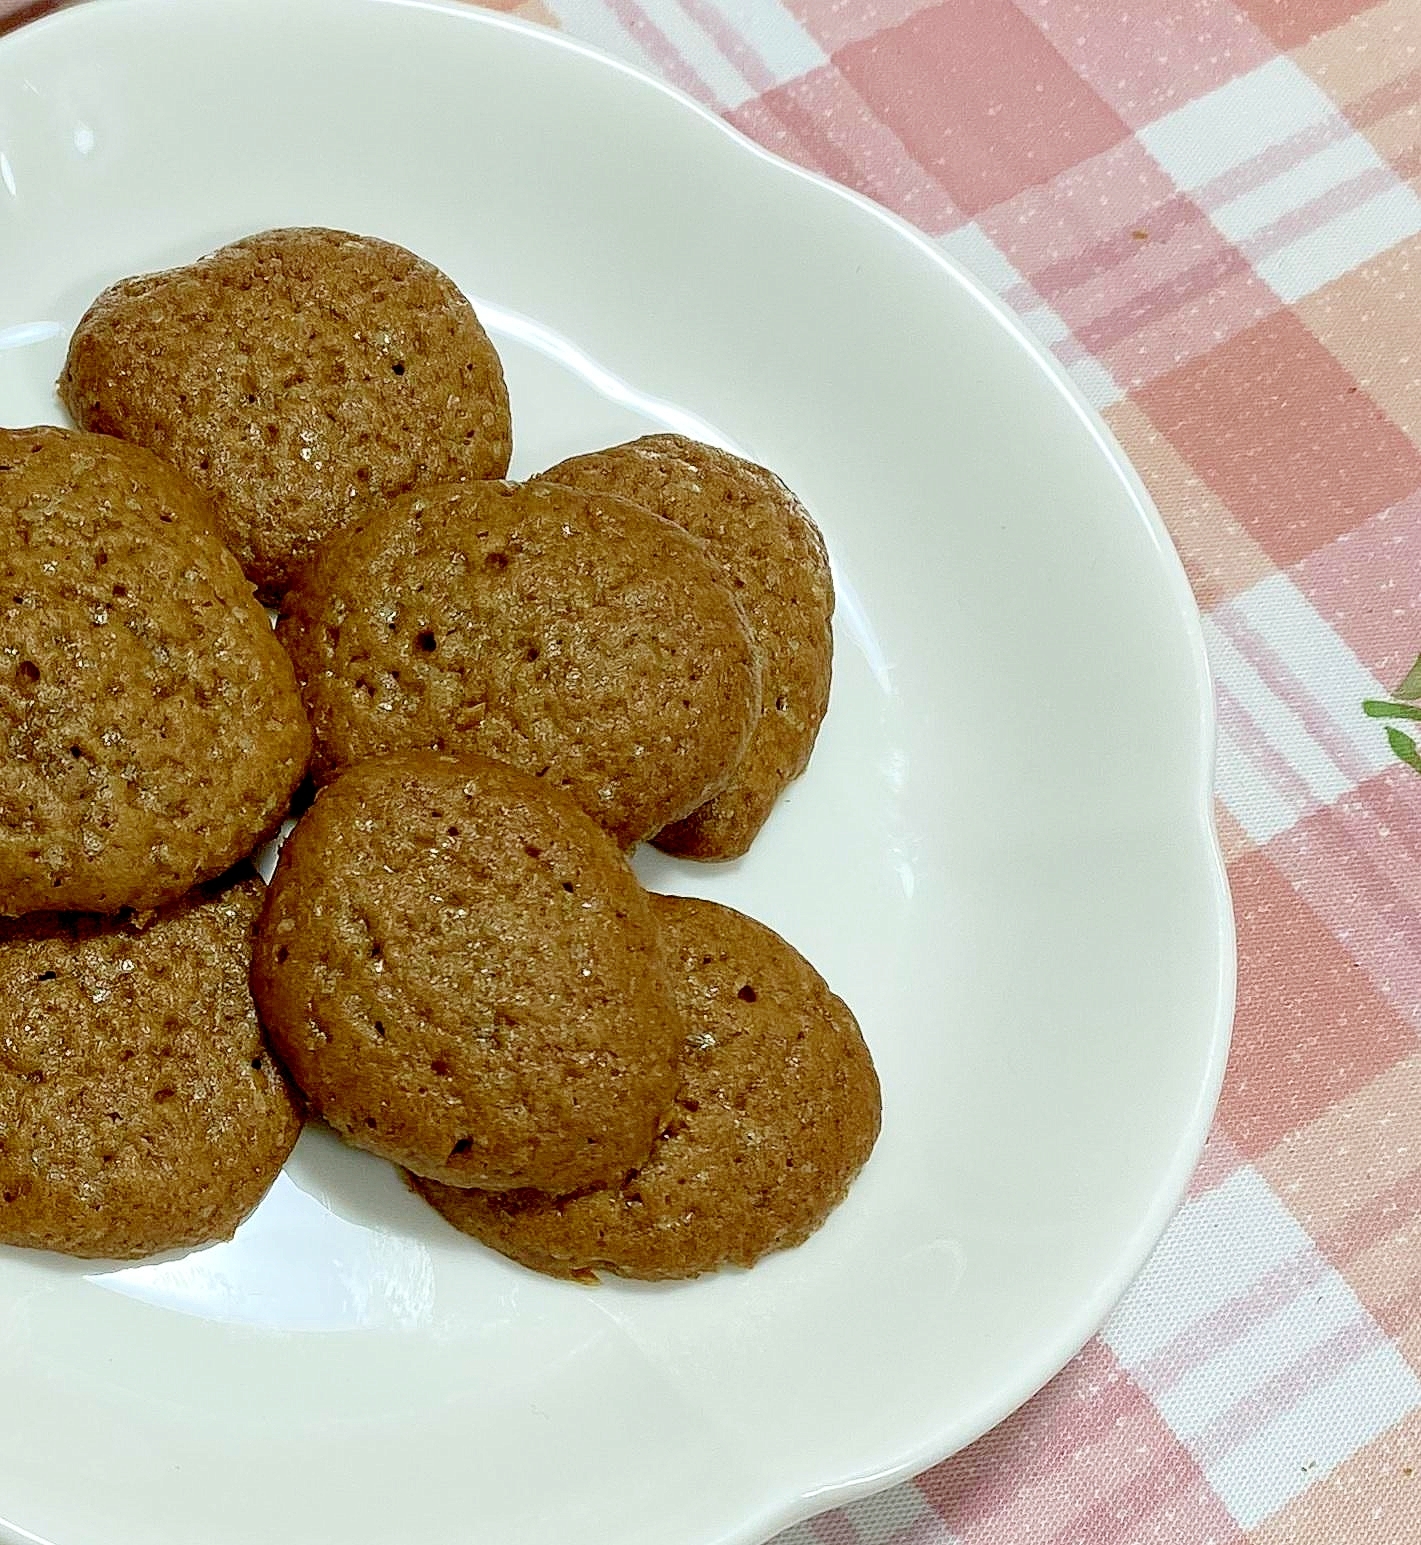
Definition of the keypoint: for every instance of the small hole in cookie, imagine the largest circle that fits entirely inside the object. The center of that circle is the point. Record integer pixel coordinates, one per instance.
(282, 955)
(362, 474)
(453, 831)
(28, 672)
(781, 703)
(47, 976)
(532, 652)
(380, 1028)
(496, 560)
(398, 367)
(75, 752)
(376, 950)
(258, 1064)
(119, 592)
(463, 1146)
(426, 642)
(439, 1067)
(531, 851)
(567, 886)
(370, 1121)
(747, 994)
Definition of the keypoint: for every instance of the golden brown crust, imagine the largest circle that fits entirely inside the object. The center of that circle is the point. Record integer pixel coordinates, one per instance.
(289, 374)
(140, 1109)
(771, 553)
(151, 733)
(575, 636)
(462, 973)
(778, 1110)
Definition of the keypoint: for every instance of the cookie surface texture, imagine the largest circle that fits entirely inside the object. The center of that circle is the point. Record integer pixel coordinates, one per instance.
(140, 1109)
(461, 972)
(777, 1111)
(575, 636)
(771, 553)
(289, 374)
(151, 733)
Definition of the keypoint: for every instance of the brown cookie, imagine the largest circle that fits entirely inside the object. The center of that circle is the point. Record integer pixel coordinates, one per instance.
(771, 553)
(288, 374)
(150, 729)
(575, 636)
(462, 973)
(140, 1109)
(778, 1110)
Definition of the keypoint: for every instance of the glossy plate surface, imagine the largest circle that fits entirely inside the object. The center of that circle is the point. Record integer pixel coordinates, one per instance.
(1001, 854)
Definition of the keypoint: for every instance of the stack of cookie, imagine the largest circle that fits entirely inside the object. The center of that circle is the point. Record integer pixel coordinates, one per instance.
(498, 689)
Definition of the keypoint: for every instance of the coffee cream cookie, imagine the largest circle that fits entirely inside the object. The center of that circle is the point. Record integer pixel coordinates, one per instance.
(290, 374)
(573, 635)
(151, 733)
(461, 972)
(771, 554)
(140, 1109)
(778, 1109)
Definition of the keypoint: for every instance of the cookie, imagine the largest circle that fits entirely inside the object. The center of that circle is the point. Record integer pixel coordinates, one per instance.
(140, 1109)
(287, 375)
(777, 1112)
(575, 636)
(151, 733)
(462, 973)
(771, 553)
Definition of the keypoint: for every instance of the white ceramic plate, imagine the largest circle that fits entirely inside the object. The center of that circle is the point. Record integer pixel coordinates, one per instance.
(1001, 854)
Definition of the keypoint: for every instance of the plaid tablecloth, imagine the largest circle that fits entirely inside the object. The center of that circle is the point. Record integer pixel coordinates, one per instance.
(1209, 210)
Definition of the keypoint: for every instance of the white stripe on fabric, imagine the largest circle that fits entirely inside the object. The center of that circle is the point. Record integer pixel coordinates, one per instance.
(1261, 809)
(1327, 1425)
(701, 52)
(1274, 720)
(595, 22)
(971, 246)
(1343, 243)
(1218, 1245)
(1332, 167)
(1232, 124)
(1324, 667)
(1204, 1394)
(775, 35)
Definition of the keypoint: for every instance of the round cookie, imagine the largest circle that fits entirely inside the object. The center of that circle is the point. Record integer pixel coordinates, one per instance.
(778, 1110)
(140, 1109)
(771, 553)
(151, 733)
(288, 374)
(575, 636)
(462, 973)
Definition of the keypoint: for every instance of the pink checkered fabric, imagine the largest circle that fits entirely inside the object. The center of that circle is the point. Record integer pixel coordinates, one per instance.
(1209, 210)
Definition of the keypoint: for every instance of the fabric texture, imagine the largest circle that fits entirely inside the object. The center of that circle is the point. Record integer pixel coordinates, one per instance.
(1209, 210)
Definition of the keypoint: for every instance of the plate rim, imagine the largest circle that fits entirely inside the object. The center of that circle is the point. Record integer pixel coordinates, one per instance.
(954, 1435)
